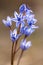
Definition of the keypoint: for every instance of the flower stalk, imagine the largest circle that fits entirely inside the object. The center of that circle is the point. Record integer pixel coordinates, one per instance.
(20, 57)
(12, 54)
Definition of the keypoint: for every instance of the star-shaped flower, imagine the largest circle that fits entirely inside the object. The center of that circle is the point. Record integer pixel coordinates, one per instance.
(13, 35)
(25, 45)
(19, 19)
(27, 31)
(30, 18)
(7, 22)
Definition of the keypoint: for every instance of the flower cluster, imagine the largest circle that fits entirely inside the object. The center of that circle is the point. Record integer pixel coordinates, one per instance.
(25, 22)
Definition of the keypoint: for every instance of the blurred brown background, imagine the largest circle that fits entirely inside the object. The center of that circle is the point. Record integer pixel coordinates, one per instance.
(34, 55)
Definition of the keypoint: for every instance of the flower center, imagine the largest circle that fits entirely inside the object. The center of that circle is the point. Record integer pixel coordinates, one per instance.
(19, 19)
(30, 23)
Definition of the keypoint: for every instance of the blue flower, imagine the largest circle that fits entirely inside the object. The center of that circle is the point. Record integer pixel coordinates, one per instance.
(25, 45)
(22, 8)
(28, 11)
(30, 19)
(7, 22)
(27, 31)
(13, 35)
(19, 19)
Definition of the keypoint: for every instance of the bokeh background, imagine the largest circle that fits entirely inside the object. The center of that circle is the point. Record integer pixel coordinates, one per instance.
(34, 55)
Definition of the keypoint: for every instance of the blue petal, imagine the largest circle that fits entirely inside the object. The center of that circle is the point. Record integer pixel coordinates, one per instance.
(14, 19)
(15, 14)
(22, 44)
(26, 30)
(28, 11)
(33, 21)
(17, 24)
(22, 8)
(7, 23)
(22, 30)
(25, 45)
(15, 32)
(30, 17)
(18, 36)
(34, 27)
(22, 24)
(29, 31)
(14, 36)
(8, 18)
(28, 44)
